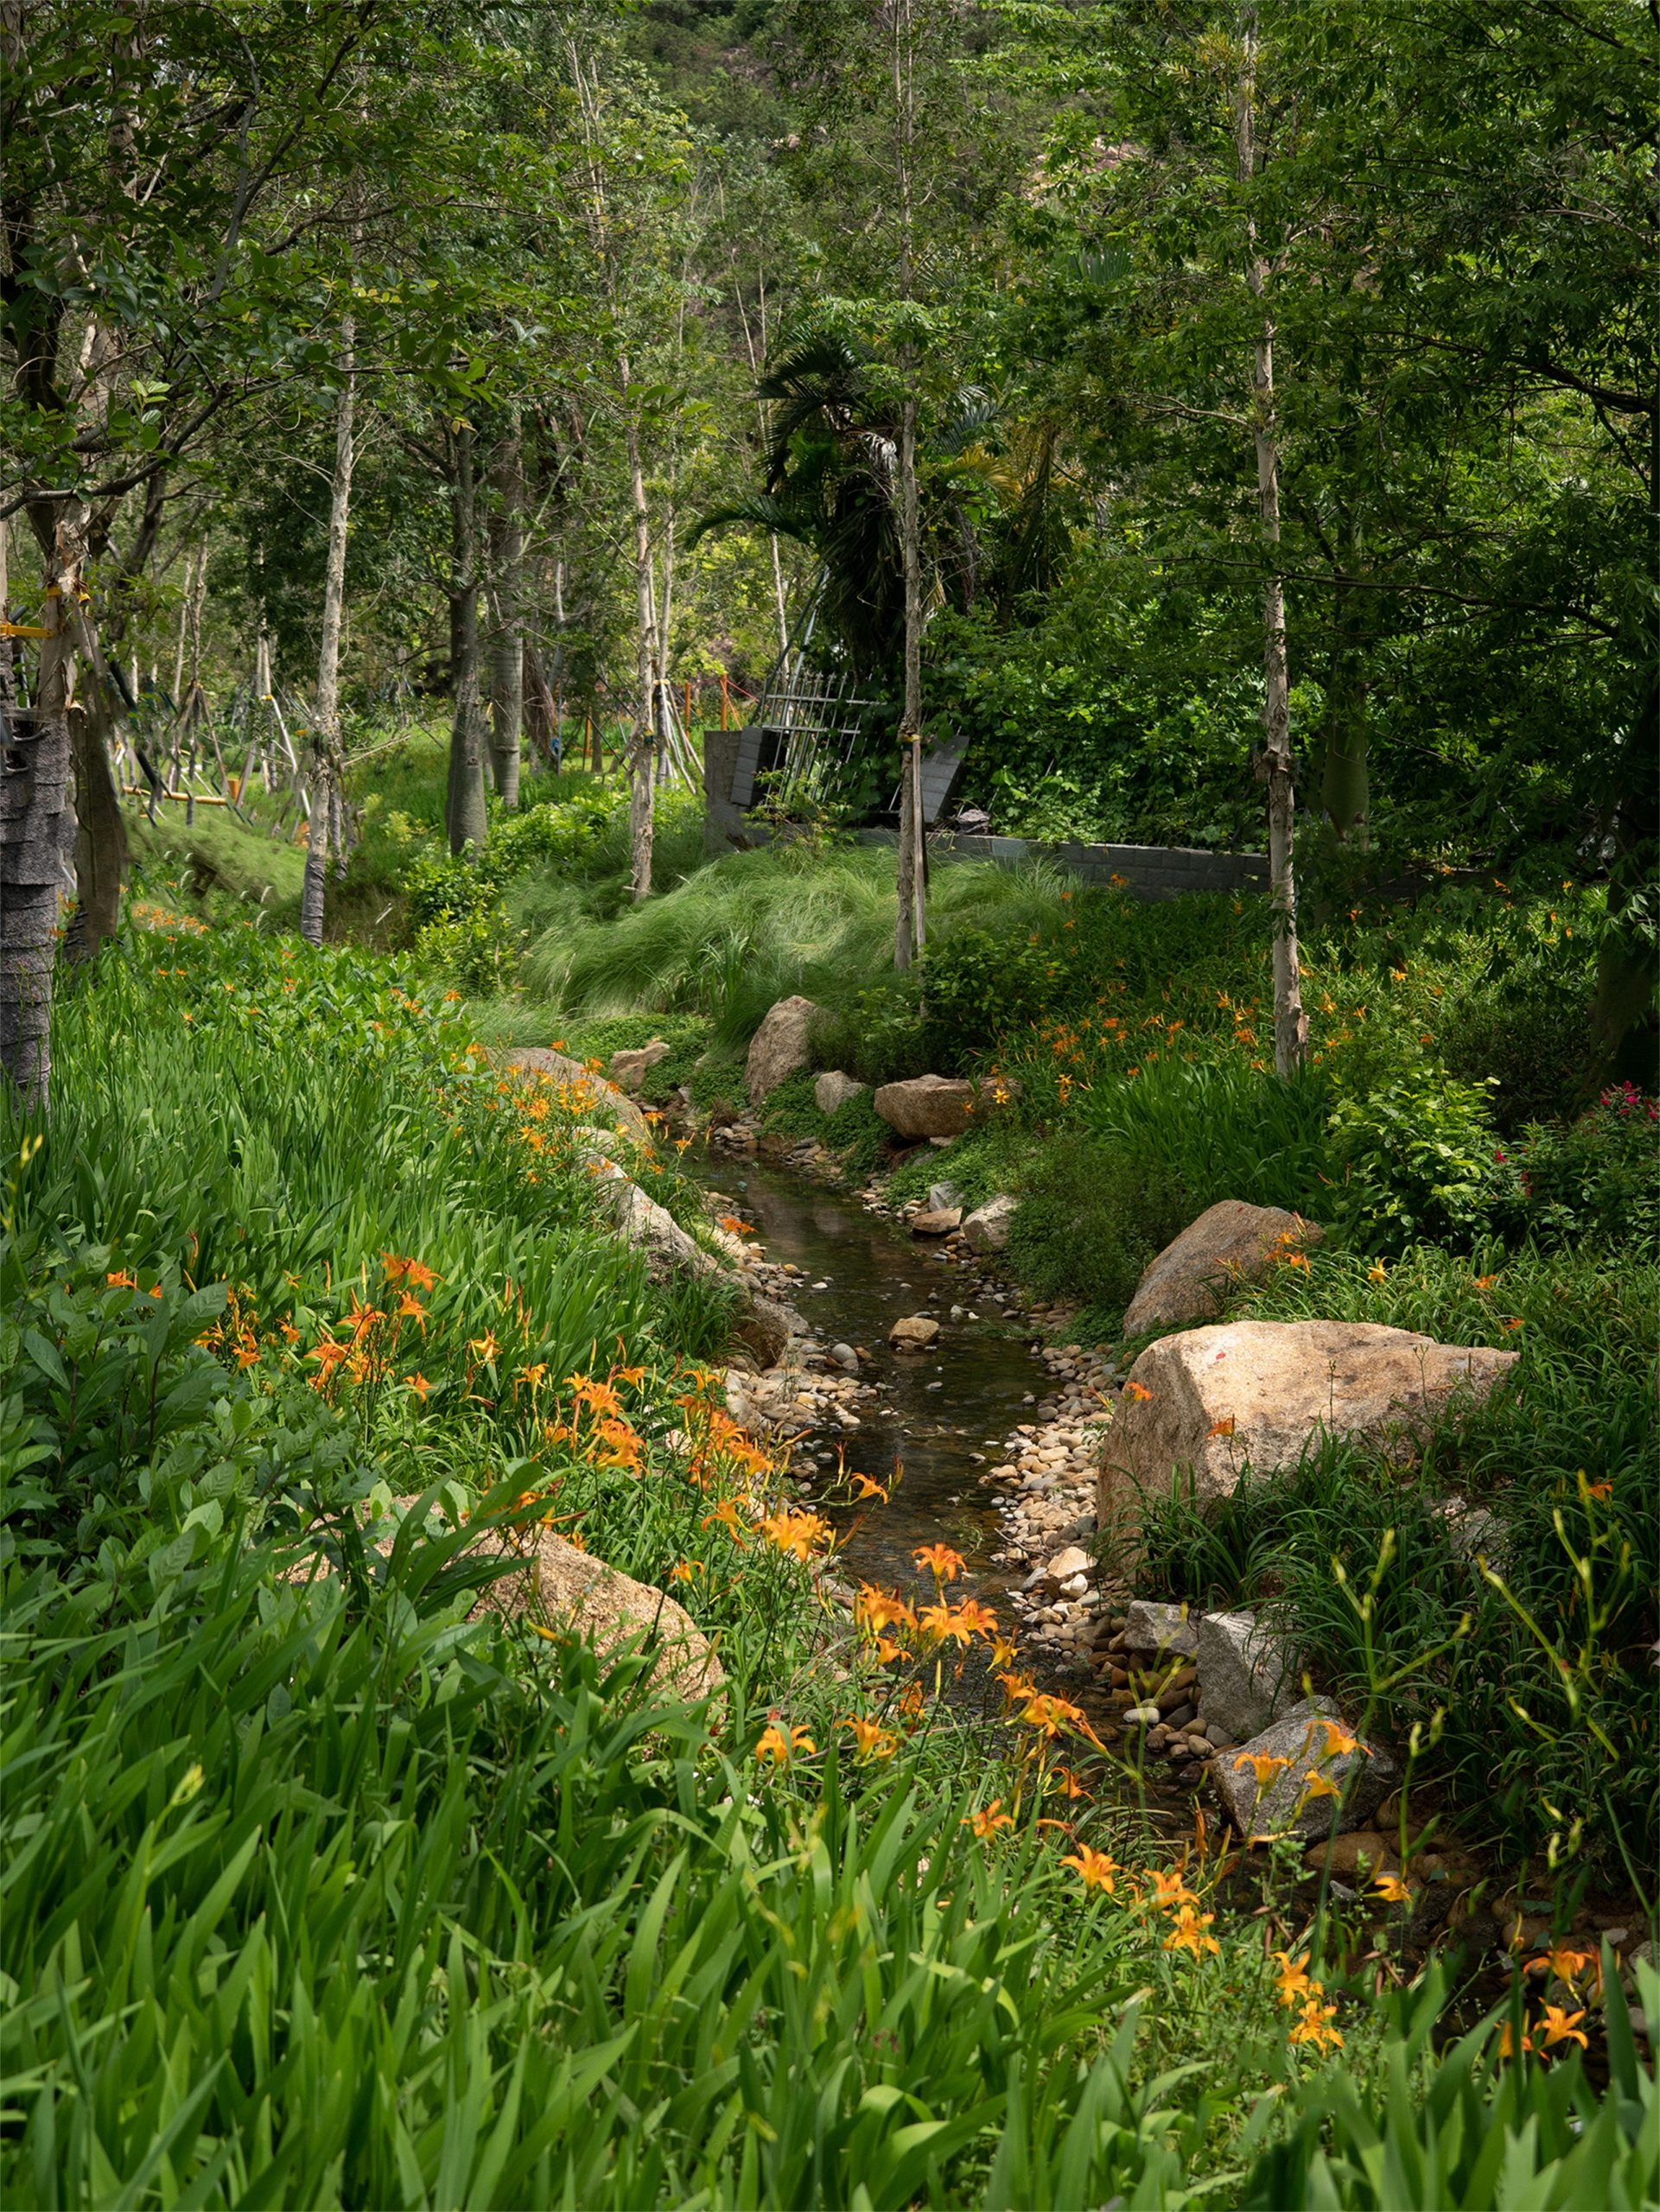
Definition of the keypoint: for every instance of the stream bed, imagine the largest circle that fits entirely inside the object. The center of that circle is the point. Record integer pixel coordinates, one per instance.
(940, 1418)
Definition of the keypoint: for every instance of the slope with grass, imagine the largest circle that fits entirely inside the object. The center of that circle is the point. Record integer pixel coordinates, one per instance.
(323, 1887)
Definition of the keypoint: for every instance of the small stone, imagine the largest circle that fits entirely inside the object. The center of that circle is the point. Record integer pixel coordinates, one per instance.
(1181, 1718)
(1075, 1586)
(915, 1333)
(936, 1224)
(1143, 1716)
(944, 1197)
(1067, 1564)
(845, 1357)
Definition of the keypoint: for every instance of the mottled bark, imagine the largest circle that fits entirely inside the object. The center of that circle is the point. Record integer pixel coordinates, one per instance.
(506, 625)
(1290, 1023)
(466, 818)
(911, 919)
(642, 738)
(326, 752)
(33, 791)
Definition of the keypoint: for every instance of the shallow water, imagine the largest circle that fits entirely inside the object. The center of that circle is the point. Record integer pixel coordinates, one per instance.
(936, 1411)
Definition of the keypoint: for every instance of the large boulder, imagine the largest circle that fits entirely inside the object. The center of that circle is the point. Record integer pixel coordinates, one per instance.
(833, 1090)
(561, 1588)
(1212, 1400)
(1294, 1779)
(986, 1229)
(926, 1106)
(1229, 1242)
(579, 1089)
(642, 1222)
(778, 1048)
(1247, 1675)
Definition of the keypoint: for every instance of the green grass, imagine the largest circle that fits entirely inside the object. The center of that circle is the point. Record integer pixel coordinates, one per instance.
(1538, 1703)
(743, 931)
(318, 1891)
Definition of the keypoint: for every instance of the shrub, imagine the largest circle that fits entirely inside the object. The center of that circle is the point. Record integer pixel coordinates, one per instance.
(1526, 1025)
(1599, 1176)
(1090, 1220)
(975, 986)
(1415, 1161)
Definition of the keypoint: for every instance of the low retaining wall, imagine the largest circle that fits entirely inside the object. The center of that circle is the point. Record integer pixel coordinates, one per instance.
(1147, 871)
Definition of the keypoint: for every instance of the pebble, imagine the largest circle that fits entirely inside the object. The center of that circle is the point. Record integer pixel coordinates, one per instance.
(1143, 1716)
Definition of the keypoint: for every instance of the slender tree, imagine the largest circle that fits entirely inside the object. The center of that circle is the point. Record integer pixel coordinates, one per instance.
(1290, 1024)
(35, 753)
(326, 748)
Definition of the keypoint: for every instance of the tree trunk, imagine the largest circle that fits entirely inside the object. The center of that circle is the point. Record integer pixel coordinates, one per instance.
(911, 921)
(326, 754)
(507, 640)
(33, 789)
(464, 813)
(642, 738)
(1290, 1023)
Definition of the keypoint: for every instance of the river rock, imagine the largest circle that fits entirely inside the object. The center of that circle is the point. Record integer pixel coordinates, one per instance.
(986, 1229)
(563, 1589)
(1246, 1674)
(936, 1224)
(833, 1090)
(1151, 1626)
(942, 1197)
(1229, 1242)
(778, 1048)
(580, 1089)
(915, 1333)
(1143, 1716)
(1356, 1857)
(1213, 1400)
(1067, 1564)
(629, 1068)
(1365, 1777)
(845, 1357)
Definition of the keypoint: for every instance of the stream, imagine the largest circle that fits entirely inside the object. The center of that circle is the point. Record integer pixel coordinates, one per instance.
(942, 1417)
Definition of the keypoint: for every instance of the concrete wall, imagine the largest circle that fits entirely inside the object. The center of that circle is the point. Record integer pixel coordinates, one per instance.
(1147, 871)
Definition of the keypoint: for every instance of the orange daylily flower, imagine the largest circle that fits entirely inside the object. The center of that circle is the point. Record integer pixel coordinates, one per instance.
(1096, 1870)
(987, 1821)
(941, 1561)
(1267, 1766)
(875, 1610)
(1507, 2042)
(1314, 2026)
(796, 1535)
(1563, 2026)
(1295, 1982)
(1188, 1933)
(781, 1746)
(864, 1487)
(870, 1739)
(1390, 1888)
